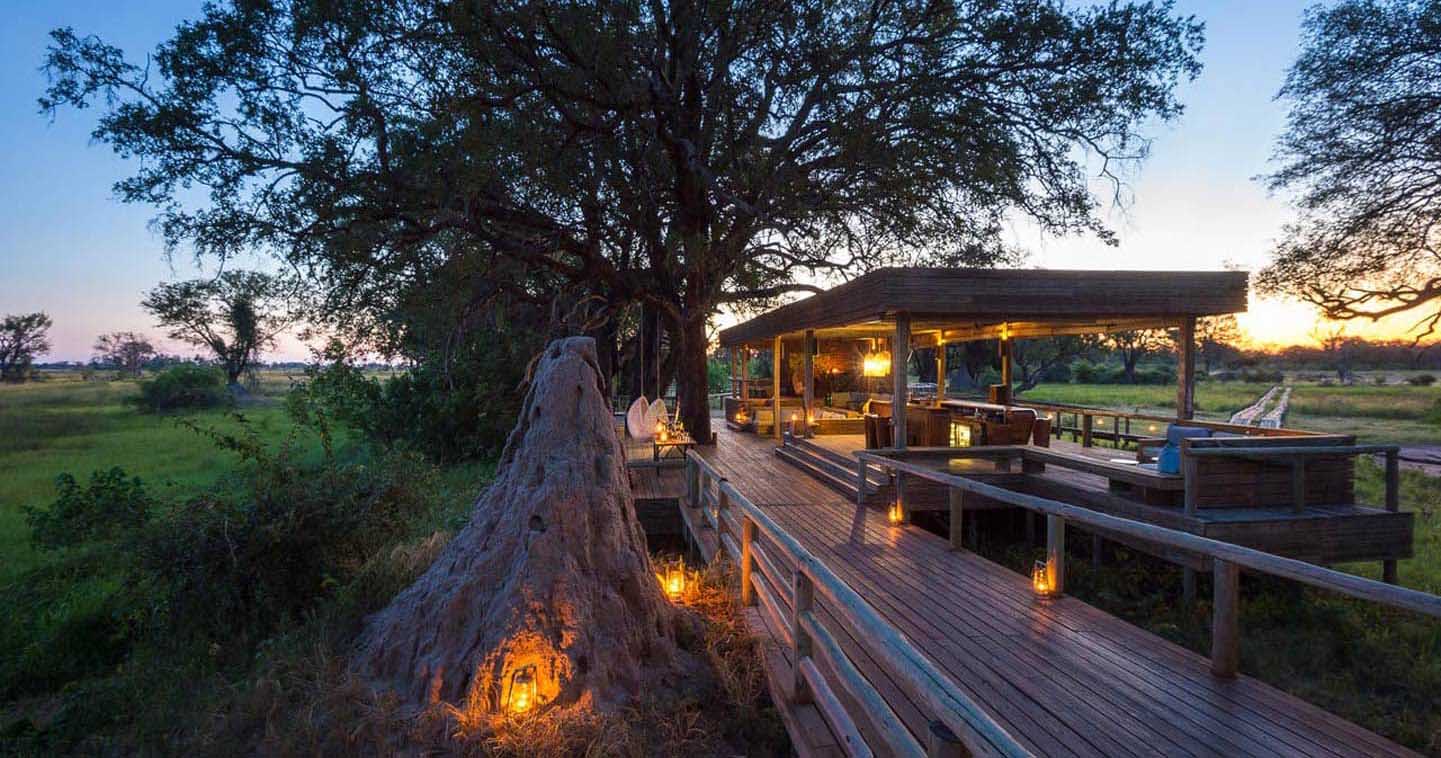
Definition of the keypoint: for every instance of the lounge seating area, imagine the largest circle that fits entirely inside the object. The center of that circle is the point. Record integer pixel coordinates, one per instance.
(842, 363)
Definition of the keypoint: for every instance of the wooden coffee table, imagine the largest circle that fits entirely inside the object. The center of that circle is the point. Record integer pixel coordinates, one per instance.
(672, 446)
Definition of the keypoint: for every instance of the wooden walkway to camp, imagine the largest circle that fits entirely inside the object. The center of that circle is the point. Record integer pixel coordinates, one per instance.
(1060, 676)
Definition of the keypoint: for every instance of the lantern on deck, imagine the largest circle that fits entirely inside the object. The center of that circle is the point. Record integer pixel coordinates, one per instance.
(894, 515)
(1041, 579)
(523, 695)
(660, 431)
(673, 581)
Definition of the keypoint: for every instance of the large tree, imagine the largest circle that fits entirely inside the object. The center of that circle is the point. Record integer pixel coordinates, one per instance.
(1134, 345)
(1217, 337)
(1362, 154)
(128, 352)
(23, 338)
(677, 155)
(235, 315)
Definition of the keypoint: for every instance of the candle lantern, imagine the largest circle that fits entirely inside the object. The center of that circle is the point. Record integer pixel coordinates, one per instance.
(673, 581)
(522, 696)
(894, 515)
(1041, 579)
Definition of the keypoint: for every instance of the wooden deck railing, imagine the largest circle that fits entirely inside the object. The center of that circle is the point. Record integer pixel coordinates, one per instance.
(1126, 426)
(958, 726)
(1227, 558)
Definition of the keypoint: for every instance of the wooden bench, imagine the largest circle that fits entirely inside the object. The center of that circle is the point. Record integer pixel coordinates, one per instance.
(1260, 472)
(1149, 485)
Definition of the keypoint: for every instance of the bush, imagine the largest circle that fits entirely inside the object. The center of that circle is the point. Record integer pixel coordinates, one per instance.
(1421, 380)
(187, 385)
(257, 555)
(110, 507)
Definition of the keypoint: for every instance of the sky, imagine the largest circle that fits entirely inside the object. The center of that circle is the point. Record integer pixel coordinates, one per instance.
(70, 248)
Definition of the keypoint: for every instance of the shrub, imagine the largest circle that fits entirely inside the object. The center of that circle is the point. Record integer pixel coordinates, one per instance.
(260, 554)
(187, 385)
(111, 506)
(1421, 380)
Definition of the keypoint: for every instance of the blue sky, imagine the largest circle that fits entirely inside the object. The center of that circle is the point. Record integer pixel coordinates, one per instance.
(69, 248)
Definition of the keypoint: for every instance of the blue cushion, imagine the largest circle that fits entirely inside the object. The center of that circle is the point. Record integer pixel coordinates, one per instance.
(1168, 461)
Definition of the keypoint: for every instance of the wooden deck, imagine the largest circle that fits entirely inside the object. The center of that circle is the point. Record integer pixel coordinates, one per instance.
(1061, 676)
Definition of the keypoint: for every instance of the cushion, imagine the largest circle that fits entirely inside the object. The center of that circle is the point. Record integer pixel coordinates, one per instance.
(1168, 461)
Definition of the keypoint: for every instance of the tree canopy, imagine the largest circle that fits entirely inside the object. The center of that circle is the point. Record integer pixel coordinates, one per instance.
(128, 352)
(234, 315)
(588, 157)
(23, 338)
(1362, 152)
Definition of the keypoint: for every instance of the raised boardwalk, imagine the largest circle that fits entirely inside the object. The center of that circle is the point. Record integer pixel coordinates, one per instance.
(1062, 677)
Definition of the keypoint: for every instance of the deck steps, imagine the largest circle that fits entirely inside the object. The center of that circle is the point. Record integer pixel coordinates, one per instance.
(826, 467)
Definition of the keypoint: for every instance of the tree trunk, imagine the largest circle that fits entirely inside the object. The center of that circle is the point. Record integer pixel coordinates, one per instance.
(692, 385)
(550, 576)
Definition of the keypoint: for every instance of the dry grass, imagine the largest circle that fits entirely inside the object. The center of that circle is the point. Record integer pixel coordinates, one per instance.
(308, 702)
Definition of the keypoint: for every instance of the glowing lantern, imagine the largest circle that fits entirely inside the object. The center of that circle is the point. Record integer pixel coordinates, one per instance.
(960, 435)
(876, 364)
(1041, 579)
(523, 696)
(673, 582)
(894, 514)
(660, 431)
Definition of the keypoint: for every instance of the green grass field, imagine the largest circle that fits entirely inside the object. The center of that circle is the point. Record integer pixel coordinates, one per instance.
(66, 425)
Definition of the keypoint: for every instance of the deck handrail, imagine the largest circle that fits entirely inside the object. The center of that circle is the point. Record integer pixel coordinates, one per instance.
(1227, 557)
(960, 719)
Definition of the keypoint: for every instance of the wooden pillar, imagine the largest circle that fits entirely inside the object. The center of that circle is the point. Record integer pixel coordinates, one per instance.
(808, 403)
(1188, 586)
(1087, 421)
(746, 373)
(777, 354)
(803, 594)
(1056, 553)
(1096, 544)
(900, 350)
(1006, 365)
(1225, 620)
(1393, 504)
(957, 503)
(940, 372)
(748, 538)
(1186, 369)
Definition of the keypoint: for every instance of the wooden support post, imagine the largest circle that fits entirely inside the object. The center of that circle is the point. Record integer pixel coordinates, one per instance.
(692, 484)
(1225, 620)
(1086, 421)
(1030, 528)
(941, 742)
(1096, 544)
(940, 372)
(1393, 504)
(1298, 484)
(804, 599)
(745, 373)
(901, 503)
(722, 507)
(1006, 366)
(748, 559)
(808, 402)
(1186, 369)
(1188, 586)
(777, 368)
(1056, 553)
(900, 351)
(956, 499)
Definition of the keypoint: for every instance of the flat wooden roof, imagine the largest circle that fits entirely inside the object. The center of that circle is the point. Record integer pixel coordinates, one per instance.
(957, 304)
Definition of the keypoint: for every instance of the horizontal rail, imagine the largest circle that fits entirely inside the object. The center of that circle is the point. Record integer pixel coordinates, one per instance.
(931, 688)
(1250, 558)
(1291, 451)
(881, 715)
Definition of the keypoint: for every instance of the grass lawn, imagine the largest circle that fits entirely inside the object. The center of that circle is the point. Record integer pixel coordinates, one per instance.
(1377, 414)
(65, 425)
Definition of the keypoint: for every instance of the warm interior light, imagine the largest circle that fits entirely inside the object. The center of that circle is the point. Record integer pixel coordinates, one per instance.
(522, 690)
(1041, 578)
(876, 364)
(894, 514)
(660, 431)
(960, 435)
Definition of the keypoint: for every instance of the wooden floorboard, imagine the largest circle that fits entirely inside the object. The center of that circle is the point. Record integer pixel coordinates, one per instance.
(1063, 677)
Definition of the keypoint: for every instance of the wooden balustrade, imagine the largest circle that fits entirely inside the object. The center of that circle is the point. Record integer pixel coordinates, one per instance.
(958, 726)
(1228, 558)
